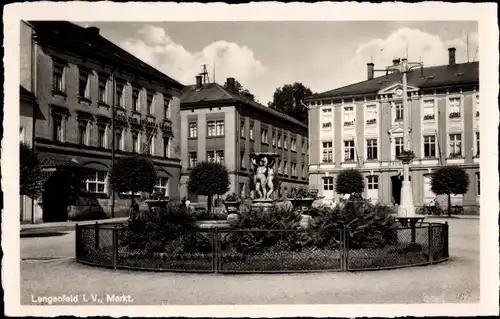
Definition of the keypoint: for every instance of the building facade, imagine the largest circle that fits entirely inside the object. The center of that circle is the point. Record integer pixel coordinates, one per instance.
(220, 125)
(78, 77)
(360, 126)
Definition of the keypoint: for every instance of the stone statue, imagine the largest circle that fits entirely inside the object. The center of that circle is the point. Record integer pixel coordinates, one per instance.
(264, 174)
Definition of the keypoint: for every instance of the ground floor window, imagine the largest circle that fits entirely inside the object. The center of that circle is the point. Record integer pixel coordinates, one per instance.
(94, 182)
(328, 183)
(161, 186)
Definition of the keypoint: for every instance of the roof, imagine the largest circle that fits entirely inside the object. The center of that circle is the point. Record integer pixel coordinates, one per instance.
(215, 93)
(435, 76)
(71, 37)
(24, 93)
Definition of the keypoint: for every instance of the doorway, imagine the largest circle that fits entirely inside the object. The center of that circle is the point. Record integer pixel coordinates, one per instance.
(397, 184)
(56, 196)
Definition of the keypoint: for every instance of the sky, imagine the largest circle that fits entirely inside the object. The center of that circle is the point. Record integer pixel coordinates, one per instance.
(263, 56)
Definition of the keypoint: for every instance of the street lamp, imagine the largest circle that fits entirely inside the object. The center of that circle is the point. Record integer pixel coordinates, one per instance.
(406, 208)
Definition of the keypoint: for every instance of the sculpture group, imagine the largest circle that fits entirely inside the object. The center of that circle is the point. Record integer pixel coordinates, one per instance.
(264, 174)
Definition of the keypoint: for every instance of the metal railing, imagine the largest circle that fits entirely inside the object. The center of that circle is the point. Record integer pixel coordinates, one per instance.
(228, 251)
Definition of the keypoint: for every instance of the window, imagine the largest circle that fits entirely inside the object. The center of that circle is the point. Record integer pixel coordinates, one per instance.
(304, 146)
(372, 182)
(293, 144)
(279, 166)
(478, 184)
(454, 107)
(285, 142)
(166, 147)
(242, 129)
(371, 149)
(102, 93)
(285, 169)
(193, 159)
(326, 125)
(82, 132)
(398, 145)
(94, 182)
(162, 186)
(118, 139)
(399, 112)
(58, 84)
(219, 128)
(242, 160)
(429, 146)
(166, 108)
(150, 103)
(327, 111)
(101, 135)
(429, 110)
(348, 116)
(328, 183)
(193, 130)
(136, 100)
(371, 114)
(294, 169)
(455, 149)
(57, 127)
(279, 140)
(21, 134)
(251, 132)
(477, 144)
(303, 171)
(349, 150)
(120, 97)
(135, 142)
(215, 128)
(273, 140)
(263, 136)
(83, 84)
(149, 144)
(219, 157)
(327, 152)
(211, 156)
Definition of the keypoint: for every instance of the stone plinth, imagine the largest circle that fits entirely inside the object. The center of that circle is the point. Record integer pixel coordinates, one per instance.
(264, 204)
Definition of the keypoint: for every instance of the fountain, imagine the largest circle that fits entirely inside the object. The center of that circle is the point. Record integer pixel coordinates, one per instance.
(263, 180)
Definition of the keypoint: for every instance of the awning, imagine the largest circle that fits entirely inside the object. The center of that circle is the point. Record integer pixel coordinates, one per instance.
(162, 172)
(51, 161)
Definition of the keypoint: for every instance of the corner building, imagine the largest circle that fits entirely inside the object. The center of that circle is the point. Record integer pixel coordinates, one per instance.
(76, 75)
(220, 125)
(360, 126)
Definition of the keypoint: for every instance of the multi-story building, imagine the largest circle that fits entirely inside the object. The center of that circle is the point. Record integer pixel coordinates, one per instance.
(220, 125)
(78, 77)
(360, 126)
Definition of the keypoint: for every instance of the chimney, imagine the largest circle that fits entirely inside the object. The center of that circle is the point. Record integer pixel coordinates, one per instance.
(230, 84)
(198, 82)
(451, 56)
(370, 69)
(396, 61)
(93, 30)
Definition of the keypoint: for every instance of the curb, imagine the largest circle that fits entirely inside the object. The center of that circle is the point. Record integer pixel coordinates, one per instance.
(66, 226)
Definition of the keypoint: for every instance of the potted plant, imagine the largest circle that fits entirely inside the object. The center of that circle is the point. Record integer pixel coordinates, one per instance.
(157, 199)
(302, 198)
(232, 202)
(406, 156)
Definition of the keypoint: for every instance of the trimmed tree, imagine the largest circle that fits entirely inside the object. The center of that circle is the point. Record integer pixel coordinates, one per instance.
(134, 174)
(350, 181)
(30, 175)
(449, 180)
(208, 179)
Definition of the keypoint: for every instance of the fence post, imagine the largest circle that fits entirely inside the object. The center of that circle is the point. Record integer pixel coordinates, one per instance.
(96, 233)
(215, 231)
(77, 241)
(430, 242)
(345, 248)
(115, 246)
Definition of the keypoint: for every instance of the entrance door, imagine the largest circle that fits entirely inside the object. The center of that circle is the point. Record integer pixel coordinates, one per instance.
(397, 183)
(56, 197)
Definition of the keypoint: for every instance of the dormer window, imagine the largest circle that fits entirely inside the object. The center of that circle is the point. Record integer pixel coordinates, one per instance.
(371, 114)
(348, 116)
(454, 108)
(429, 110)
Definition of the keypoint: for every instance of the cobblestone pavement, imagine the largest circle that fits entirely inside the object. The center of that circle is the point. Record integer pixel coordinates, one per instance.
(454, 281)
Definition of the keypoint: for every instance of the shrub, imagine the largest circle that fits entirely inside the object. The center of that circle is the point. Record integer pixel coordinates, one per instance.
(208, 179)
(134, 174)
(30, 175)
(448, 180)
(368, 225)
(232, 198)
(349, 181)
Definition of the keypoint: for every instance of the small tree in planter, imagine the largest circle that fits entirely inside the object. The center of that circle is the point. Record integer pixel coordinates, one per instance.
(449, 180)
(30, 175)
(350, 181)
(133, 174)
(208, 179)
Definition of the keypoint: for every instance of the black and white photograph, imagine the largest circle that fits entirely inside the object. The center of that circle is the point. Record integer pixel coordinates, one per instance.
(310, 159)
